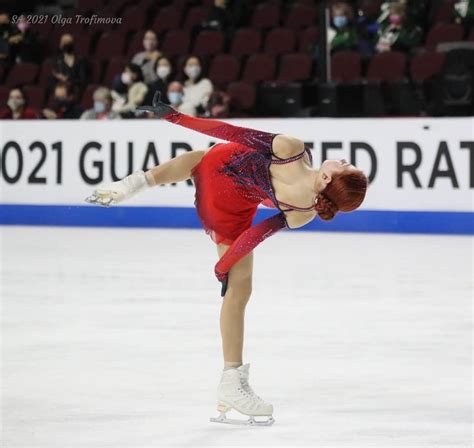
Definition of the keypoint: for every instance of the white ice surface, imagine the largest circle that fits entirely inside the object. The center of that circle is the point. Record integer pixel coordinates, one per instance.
(110, 338)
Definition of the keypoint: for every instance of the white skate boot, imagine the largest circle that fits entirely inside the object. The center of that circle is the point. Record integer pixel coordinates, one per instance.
(108, 194)
(234, 392)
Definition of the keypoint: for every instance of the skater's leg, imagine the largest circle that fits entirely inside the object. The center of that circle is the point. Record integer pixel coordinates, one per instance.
(176, 169)
(232, 315)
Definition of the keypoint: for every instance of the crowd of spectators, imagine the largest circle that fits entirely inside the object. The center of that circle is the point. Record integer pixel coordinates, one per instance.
(398, 25)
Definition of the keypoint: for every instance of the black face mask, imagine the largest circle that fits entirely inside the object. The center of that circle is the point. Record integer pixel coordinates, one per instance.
(67, 48)
(62, 103)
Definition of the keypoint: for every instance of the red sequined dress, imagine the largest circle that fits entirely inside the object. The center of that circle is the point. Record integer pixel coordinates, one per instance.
(231, 180)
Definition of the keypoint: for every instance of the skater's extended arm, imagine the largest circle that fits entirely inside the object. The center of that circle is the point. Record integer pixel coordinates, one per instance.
(280, 145)
(245, 243)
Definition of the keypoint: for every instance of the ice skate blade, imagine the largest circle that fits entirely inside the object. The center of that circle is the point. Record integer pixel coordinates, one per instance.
(250, 422)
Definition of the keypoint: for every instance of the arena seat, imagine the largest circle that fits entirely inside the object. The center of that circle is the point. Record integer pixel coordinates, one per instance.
(82, 43)
(242, 95)
(4, 92)
(346, 66)
(114, 67)
(441, 33)
(300, 15)
(266, 16)
(21, 74)
(195, 16)
(389, 66)
(208, 43)
(175, 43)
(246, 41)
(224, 69)
(307, 38)
(445, 12)
(426, 64)
(133, 19)
(45, 71)
(294, 67)
(94, 70)
(167, 18)
(110, 45)
(134, 44)
(259, 67)
(87, 101)
(280, 40)
(35, 96)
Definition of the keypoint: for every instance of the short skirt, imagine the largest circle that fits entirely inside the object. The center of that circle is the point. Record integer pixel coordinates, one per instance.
(223, 206)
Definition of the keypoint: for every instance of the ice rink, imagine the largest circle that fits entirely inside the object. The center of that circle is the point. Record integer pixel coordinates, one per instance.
(110, 338)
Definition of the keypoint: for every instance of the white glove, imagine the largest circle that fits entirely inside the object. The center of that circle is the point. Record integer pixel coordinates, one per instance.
(108, 194)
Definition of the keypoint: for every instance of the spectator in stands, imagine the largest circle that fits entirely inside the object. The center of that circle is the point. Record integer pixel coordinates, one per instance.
(69, 67)
(17, 107)
(29, 48)
(164, 73)
(197, 89)
(342, 34)
(10, 37)
(135, 91)
(220, 17)
(102, 109)
(146, 60)
(175, 94)
(218, 105)
(398, 34)
(464, 12)
(65, 104)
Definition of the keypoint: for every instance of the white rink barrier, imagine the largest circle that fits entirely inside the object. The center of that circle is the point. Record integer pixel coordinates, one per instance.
(421, 170)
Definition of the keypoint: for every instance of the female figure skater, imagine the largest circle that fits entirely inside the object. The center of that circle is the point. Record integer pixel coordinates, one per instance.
(231, 179)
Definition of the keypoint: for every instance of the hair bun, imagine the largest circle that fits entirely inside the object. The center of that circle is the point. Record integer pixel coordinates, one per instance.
(326, 208)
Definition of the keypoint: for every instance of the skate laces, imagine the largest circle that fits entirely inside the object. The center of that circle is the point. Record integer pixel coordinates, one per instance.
(244, 381)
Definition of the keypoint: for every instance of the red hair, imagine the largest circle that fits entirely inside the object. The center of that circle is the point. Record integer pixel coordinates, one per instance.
(345, 193)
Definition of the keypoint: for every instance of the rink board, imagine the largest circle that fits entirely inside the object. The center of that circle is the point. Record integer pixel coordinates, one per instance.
(421, 171)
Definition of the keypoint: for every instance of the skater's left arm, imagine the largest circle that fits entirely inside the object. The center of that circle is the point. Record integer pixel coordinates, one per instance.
(245, 243)
(282, 146)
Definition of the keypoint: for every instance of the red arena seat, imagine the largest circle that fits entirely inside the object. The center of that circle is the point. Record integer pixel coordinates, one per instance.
(425, 65)
(208, 43)
(450, 32)
(280, 40)
(110, 45)
(242, 95)
(224, 69)
(175, 43)
(346, 66)
(246, 41)
(168, 18)
(35, 96)
(21, 74)
(266, 16)
(389, 66)
(300, 16)
(308, 37)
(195, 16)
(294, 67)
(259, 67)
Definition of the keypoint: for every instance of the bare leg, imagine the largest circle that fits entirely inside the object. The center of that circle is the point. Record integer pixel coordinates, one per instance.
(232, 316)
(175, 170)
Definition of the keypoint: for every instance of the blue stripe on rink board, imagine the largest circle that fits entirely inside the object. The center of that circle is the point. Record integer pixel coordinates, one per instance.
(459, 223)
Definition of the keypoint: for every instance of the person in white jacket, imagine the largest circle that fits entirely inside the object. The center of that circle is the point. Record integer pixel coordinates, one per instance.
(197, 89)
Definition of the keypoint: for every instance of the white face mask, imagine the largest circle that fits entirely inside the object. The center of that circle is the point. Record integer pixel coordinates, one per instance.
(193, 71)
(163, 71)
(15, 103)
(126, 78)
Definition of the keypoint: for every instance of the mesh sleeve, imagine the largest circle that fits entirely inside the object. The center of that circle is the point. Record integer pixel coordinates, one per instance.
(252, 138)
(245, 243)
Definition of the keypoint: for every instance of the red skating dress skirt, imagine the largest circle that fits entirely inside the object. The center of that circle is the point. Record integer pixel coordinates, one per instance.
(231, 180)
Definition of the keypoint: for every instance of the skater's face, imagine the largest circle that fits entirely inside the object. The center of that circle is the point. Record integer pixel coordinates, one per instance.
(330, 168)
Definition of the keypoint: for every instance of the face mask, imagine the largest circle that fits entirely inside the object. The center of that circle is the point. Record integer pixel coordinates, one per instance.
(99, 107)
(193, 71)
(126, 78)
(340, 21)
(15, 103)
(163, 71)
(68, 48)
(62, 103)
(175, 97)
(23, 26)
(395, 19)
